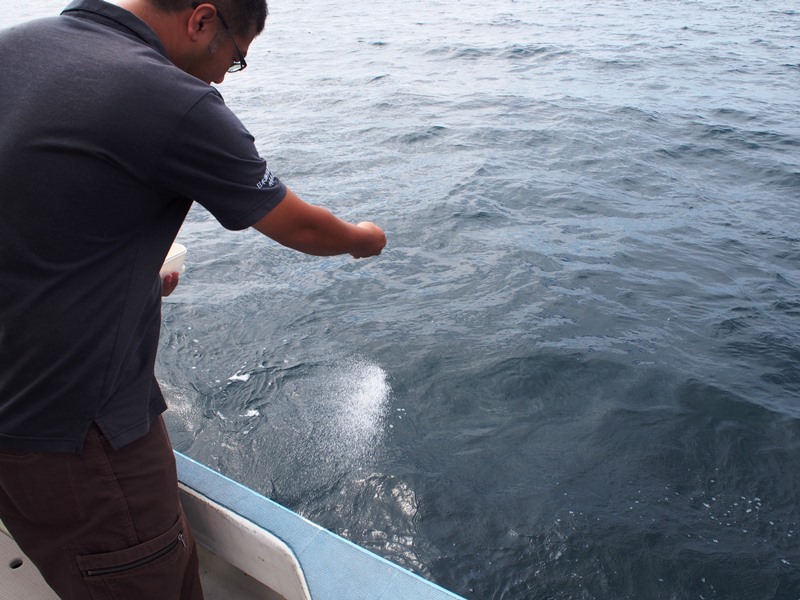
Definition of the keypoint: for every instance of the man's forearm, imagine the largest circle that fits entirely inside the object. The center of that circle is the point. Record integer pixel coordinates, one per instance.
(315, 230)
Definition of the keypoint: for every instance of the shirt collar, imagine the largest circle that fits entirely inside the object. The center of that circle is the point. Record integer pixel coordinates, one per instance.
(115, 16)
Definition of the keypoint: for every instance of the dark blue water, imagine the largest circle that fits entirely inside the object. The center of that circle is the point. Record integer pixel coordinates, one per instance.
(575, 371)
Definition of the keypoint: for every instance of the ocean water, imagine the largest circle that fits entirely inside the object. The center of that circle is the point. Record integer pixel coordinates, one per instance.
(574, 372)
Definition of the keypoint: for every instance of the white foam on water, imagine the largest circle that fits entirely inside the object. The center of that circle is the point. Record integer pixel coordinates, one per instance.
(183, 411)
(354, 404)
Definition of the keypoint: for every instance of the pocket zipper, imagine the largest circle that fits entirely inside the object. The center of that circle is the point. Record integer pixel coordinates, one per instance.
(137, 563)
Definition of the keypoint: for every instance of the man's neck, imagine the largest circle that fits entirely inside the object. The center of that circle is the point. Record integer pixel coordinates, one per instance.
(159, 21)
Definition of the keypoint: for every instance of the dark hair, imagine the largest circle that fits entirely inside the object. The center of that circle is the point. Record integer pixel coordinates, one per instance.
(242, 16)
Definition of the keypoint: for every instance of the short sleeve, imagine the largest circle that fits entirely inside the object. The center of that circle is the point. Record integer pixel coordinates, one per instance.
(212, 159)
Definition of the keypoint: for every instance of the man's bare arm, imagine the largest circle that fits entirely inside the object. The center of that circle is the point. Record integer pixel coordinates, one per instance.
(315, 230)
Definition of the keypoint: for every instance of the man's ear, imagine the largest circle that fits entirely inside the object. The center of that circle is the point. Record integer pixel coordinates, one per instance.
(199, 21)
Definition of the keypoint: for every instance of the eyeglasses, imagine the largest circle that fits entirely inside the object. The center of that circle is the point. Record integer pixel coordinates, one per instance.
(238, 64)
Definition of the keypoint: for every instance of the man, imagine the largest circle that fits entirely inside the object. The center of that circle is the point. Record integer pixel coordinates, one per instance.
(109, 130)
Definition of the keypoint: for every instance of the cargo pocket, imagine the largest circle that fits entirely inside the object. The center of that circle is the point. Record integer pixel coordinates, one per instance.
(153, 569)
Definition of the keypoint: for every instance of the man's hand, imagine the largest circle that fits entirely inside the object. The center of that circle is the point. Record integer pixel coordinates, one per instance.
(168, 283)
(374, 244)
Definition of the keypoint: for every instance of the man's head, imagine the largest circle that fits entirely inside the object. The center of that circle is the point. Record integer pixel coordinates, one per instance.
(244, 17)
(205, 38)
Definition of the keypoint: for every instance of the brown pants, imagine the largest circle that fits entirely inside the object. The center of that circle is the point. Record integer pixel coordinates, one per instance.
(103, 525)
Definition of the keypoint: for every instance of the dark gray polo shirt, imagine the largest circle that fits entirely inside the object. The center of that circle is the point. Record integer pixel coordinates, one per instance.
(103, 142)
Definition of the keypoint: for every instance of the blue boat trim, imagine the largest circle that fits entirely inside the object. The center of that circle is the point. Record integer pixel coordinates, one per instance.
(335, 568)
